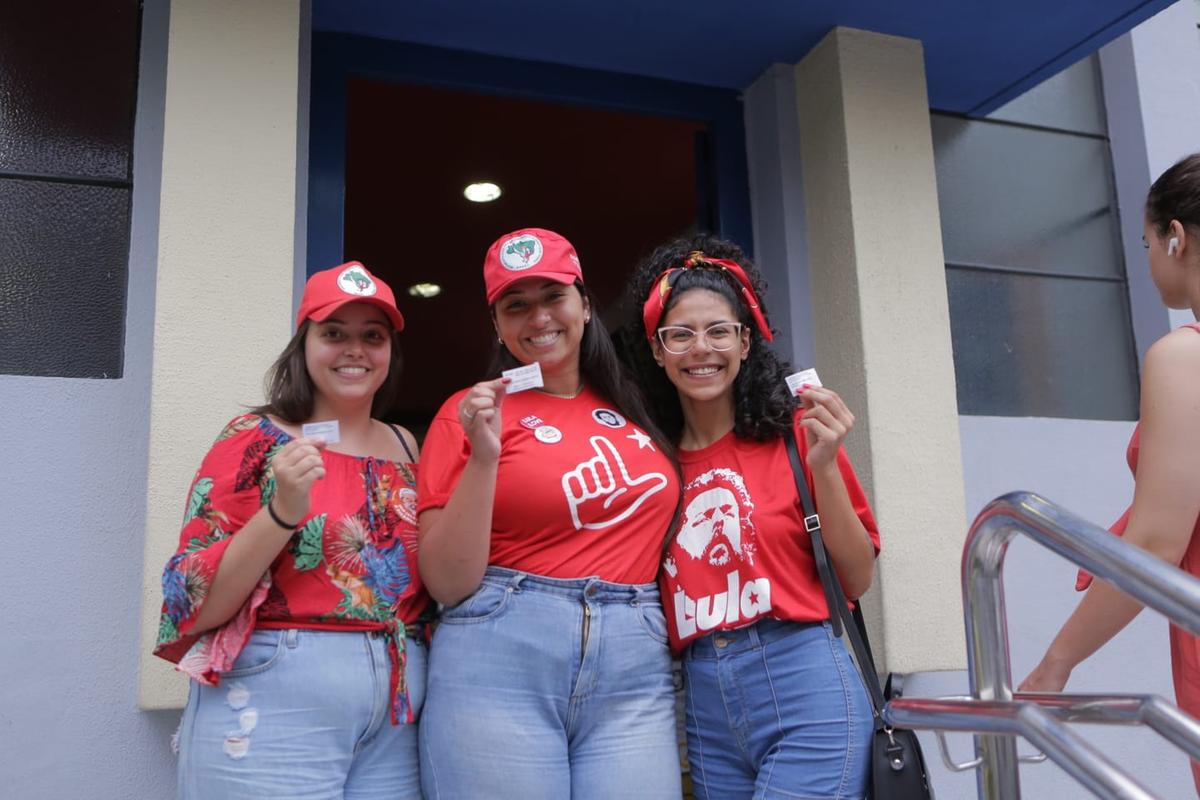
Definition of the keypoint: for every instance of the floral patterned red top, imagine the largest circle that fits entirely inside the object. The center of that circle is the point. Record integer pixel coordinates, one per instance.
(351, 565)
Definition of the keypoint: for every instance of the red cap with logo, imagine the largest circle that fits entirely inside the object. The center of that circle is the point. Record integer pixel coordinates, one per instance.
(529, 253)
(330, 289)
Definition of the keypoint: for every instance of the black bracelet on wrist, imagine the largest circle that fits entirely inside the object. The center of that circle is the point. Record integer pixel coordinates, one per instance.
(278, 521)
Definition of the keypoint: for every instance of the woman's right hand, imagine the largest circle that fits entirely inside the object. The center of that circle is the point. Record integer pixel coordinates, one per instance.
(479, 415)
(298, 465)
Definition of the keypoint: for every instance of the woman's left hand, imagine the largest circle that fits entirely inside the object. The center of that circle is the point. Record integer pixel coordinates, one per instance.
(1049, 676)
(826, 421)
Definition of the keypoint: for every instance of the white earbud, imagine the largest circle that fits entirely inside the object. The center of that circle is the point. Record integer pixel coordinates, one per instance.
(1172, 245)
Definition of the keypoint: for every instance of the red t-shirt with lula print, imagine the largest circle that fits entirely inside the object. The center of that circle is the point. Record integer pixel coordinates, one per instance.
(741, 552)
(351, 565)
(580, 490)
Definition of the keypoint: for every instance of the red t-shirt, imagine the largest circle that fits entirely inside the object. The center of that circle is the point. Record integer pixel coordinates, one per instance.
(580, 490)
(741, 552)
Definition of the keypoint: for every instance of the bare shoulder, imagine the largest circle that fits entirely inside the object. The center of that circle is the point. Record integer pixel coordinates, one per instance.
(1171, 374)
(1178, 350)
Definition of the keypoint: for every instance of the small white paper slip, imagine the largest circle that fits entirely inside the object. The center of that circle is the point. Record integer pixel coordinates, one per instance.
(798, 379)
(522, 378)
(327, 430)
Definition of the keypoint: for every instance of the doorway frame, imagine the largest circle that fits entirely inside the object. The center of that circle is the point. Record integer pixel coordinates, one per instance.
(338, 57)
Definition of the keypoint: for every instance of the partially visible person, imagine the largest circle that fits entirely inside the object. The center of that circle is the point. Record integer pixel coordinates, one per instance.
(774, 704)
(1164, 453)
(543, 515)
(293, 597)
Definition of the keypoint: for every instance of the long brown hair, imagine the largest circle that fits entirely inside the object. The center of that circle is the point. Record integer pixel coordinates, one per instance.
(289, 388)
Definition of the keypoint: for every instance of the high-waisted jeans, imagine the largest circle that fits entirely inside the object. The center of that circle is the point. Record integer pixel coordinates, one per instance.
(304, 714)
(548, 689)
(776, 710)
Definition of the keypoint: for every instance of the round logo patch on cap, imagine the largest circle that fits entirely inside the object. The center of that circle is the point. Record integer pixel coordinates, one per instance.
(521, 252)
(355, 280)
(548, 434)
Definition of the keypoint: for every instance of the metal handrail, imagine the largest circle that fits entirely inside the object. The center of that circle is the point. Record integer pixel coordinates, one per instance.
(993, 713)
(1148, 579)
(1150, 710)
(1041, 726)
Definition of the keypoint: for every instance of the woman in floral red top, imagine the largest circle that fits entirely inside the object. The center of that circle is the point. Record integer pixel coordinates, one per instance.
(291, 598)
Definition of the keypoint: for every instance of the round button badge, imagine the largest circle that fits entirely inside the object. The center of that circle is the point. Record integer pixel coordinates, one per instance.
(548, 434)
(608, 418)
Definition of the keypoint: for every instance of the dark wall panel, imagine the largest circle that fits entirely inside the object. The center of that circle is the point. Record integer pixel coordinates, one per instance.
(63, 255)
(67, 72)
(68, 89)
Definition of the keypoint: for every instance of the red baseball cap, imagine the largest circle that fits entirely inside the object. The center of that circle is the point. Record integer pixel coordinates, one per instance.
(330, 289)
(529, 253)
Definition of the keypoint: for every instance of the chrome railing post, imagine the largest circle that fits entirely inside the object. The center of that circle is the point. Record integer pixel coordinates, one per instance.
(1134, 571)
(987, 649)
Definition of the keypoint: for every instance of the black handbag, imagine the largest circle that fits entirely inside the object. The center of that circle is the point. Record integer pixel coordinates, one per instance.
(897, 763)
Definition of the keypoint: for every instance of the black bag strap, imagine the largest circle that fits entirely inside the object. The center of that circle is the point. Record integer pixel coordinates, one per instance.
(840, 616)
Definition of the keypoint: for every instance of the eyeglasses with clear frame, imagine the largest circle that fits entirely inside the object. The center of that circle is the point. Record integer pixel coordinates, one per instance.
(721, 336)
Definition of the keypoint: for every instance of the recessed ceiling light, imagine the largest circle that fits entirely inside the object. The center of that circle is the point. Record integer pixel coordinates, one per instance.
(481, 192)
(425, 290)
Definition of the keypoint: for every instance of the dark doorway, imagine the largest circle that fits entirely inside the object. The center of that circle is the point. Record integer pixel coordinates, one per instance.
(615, 183)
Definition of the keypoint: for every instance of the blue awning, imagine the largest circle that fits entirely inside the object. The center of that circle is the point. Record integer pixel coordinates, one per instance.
(977, 55)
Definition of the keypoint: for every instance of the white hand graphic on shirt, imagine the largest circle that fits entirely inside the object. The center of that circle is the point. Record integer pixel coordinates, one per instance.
(596, 480)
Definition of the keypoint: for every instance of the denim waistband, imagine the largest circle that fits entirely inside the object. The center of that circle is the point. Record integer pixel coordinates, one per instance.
(738, 640)
(592, 589)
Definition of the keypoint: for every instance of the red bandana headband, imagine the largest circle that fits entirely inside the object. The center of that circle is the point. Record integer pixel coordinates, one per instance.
(653, 309)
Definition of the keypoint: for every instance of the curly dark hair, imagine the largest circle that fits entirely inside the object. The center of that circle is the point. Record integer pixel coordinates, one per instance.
(763, 406)
(601, 369)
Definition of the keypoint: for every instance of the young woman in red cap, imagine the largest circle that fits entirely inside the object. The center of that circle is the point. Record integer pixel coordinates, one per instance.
(774, 705)
(1164, 452)
(292, 597)
(542, 516)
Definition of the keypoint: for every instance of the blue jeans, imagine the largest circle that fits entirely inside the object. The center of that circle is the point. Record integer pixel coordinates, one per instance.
(547, 689)
(303, 714)
(776, 710)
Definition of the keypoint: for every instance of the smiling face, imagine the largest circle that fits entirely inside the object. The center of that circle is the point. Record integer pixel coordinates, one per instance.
(347, 355)
(702, 374)
(542, 320)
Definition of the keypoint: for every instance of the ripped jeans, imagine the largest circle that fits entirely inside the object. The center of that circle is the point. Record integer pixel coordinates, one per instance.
(303, 714)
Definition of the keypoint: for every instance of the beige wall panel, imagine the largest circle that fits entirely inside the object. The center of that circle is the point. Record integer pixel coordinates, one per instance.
(881, 325)
(225, 256)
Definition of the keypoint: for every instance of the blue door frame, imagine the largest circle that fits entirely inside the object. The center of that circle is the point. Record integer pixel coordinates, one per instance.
(338, 57)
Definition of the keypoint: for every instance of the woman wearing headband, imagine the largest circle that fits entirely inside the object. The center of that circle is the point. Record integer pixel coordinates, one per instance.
(775, 706)
(543, 514)
(292, 597)
(1164, 452)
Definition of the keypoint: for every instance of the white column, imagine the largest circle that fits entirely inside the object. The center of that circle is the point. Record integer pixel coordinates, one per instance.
(225, 268)
(881, 324)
